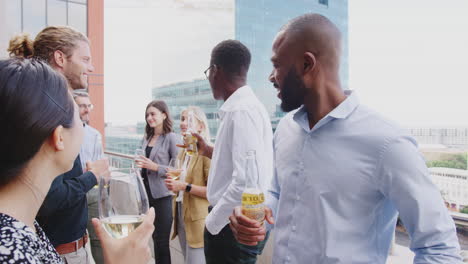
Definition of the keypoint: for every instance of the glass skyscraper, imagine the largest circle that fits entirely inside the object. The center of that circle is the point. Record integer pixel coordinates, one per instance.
(256, 25)
(258, 22)
(182, 94)
(32, 16)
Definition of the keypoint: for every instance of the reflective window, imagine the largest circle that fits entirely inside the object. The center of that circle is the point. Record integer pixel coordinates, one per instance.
(34, 18)
(56, 12)
(78, 1)
(10, 23)
(77, 17)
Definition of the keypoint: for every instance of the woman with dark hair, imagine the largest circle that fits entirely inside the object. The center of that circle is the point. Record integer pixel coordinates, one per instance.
(160, 147)
(41, 137)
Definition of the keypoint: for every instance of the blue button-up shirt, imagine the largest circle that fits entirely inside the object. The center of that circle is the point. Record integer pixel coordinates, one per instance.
(339, 186)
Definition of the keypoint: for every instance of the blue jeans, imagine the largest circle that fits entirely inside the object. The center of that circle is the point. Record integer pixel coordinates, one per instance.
(223, 248)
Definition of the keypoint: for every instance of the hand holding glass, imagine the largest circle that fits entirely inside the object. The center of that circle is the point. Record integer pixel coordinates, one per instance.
(122, 201)
(174, 169)
(138, 153)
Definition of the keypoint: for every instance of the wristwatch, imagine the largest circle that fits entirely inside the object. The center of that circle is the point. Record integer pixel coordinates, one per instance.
(188, 188)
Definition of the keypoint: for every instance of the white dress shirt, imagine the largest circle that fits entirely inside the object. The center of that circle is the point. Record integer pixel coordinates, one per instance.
(244, 125)
(339, 186)
(91, 149)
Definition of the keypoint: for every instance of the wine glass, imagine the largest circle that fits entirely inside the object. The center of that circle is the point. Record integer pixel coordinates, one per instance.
(174, 168)
(138, 152)
(122, 201)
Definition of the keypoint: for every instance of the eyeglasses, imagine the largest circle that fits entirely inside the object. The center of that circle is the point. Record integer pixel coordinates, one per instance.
(89, 106)
(206, 71)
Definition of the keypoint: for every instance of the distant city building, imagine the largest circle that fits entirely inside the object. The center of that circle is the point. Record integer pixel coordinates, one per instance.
(122, 140)
(140, 128)
(450, 137)
(453, 185)
(32, 16)
(258, 22)
(182, 94)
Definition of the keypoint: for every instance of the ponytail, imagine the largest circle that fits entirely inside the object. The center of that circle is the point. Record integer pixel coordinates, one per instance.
(21, 46)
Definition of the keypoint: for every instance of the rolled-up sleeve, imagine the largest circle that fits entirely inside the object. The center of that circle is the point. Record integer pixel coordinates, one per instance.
(246, 135)
(405, 180)
(67, 192)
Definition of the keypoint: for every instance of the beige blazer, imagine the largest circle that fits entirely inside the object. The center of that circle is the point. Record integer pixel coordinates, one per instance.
(195, 208)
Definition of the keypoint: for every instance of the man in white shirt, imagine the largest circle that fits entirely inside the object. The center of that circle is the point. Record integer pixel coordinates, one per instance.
(91, 150)
(244, 125)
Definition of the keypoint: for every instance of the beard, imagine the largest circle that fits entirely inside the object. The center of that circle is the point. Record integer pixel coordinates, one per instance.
(76, 83)
(292, 92)
(74, 77)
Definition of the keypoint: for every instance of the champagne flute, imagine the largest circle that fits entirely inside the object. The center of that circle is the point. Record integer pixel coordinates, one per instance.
(189, 140)
(122, 201)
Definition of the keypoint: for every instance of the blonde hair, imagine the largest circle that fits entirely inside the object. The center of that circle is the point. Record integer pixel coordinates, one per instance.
(49, 40)
(201, 117)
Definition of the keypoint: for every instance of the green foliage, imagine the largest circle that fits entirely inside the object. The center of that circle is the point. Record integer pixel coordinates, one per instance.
(464, 210)
(457, 161)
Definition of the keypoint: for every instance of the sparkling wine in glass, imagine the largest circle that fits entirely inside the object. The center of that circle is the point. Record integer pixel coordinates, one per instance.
(122, 201)
(174, 168)
(189, 139)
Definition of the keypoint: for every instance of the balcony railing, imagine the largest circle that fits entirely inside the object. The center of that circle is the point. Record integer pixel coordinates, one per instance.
(399, 254)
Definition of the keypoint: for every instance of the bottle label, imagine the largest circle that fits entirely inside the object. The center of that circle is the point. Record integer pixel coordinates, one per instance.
(252, 199)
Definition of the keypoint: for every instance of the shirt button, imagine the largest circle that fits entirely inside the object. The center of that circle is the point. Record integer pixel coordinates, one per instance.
(293, 228)
(288, 258)
(298, 198)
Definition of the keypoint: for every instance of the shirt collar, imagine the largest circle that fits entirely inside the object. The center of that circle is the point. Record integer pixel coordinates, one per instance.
(342, 111)
(231, 104)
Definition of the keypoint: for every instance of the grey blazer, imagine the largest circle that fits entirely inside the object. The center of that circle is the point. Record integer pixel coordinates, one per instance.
(163, 151)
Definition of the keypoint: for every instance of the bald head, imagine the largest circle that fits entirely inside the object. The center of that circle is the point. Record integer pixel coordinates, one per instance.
(306, 61)
(312, 33)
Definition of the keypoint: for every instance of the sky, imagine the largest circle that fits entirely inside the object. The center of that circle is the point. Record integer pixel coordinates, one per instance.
(407, 59)
(156, 42)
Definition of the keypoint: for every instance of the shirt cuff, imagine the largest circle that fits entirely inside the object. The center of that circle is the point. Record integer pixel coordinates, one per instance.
(89, 180)
(211, 224)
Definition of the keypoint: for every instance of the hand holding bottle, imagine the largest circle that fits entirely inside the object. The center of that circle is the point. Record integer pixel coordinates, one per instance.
(249, 231)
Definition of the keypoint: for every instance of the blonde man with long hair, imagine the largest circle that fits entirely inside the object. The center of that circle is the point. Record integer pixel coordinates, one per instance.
(64, 213)
(191, 205)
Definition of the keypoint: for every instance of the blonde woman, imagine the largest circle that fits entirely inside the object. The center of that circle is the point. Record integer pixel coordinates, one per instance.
(191, 205)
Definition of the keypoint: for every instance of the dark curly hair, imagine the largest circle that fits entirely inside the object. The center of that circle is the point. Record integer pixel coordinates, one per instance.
(232, 56)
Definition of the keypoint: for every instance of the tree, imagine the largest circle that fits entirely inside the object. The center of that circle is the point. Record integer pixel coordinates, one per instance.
(457, 161)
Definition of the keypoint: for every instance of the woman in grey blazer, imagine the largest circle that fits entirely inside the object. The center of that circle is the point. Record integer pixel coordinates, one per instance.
(160, 147)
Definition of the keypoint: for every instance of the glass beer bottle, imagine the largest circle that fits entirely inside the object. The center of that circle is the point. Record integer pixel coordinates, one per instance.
(253, 198)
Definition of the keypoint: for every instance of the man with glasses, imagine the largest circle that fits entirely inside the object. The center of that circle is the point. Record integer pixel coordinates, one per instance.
(91, 150)
(244, 126)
